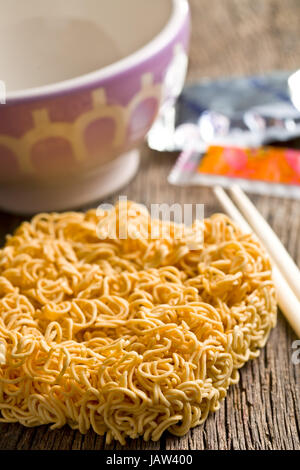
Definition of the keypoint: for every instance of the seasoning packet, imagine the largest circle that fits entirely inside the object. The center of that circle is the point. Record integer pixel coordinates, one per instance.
(242, 111)
(264, 170)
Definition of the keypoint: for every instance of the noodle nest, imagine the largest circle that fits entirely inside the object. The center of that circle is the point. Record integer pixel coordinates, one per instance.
(129, 336)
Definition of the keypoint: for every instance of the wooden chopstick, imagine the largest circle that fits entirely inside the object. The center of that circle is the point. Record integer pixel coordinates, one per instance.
(287, 300)
(268, 238)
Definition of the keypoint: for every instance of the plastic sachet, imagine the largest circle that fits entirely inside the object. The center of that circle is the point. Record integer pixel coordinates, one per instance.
(245, 111)
(263, 170)
(222, 129)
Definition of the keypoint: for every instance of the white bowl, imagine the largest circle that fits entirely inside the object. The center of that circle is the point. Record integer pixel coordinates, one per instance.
(84, 81)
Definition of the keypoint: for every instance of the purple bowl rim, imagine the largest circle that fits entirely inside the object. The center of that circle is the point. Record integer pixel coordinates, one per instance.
(179, 17)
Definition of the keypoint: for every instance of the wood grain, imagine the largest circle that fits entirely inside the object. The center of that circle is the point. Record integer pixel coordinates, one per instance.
(230, 37)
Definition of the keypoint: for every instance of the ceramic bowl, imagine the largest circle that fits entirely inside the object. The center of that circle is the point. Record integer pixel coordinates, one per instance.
(82, 83)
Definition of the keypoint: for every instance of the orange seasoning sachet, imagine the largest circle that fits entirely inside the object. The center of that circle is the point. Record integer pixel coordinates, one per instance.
(273, 164)
(264, 170)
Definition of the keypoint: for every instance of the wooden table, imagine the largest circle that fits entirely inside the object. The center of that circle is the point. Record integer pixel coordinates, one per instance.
(262, 411)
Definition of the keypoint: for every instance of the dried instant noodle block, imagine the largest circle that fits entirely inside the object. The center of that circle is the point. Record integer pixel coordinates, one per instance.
(129, 336)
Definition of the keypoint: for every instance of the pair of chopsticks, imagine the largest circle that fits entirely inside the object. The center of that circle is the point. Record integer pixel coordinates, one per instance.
(286, 275)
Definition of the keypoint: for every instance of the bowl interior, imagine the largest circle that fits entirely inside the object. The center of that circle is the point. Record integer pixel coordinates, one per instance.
(45, 42)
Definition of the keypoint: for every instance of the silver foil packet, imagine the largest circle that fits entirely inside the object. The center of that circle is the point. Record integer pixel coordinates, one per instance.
(244, 111)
